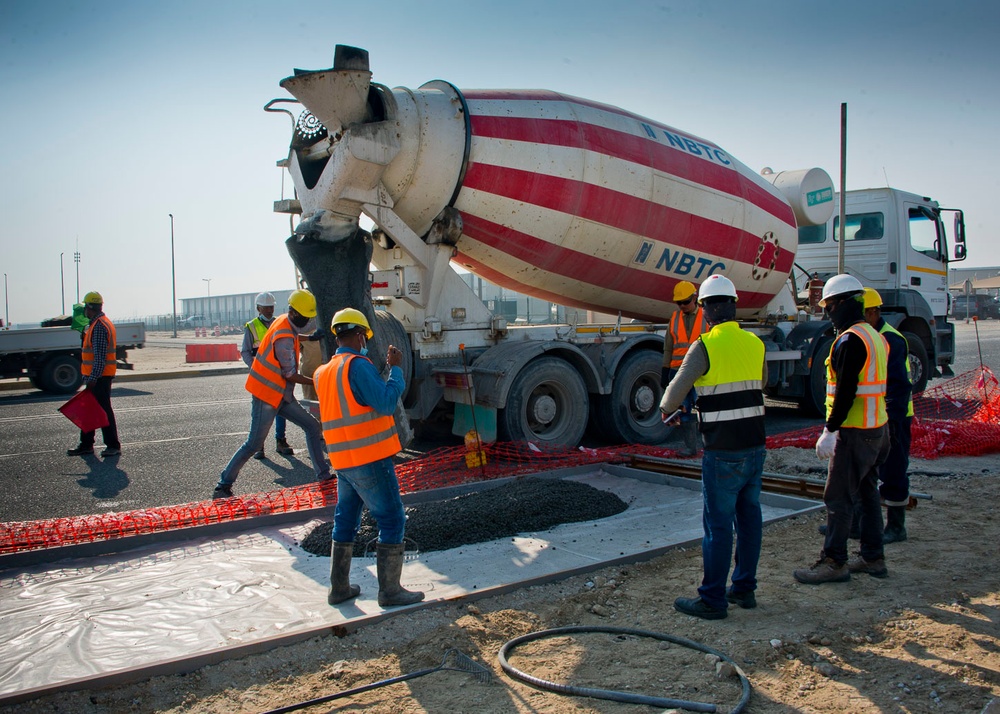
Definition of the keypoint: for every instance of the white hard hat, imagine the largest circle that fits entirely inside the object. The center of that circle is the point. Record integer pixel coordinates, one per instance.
(717, 286)
(265, 300)
(842, 284)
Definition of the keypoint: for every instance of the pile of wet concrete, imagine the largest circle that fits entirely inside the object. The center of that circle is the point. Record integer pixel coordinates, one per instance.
(528, 505)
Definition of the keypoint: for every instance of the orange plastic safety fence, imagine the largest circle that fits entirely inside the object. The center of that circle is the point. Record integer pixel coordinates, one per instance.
(960, 417)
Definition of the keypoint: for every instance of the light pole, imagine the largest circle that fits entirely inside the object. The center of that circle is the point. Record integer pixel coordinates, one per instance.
(76, 259)
(208, 307)
(62, 284)
(173, 274)
(6, 305)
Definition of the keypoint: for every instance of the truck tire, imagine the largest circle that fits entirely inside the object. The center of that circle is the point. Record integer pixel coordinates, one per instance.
(920, 363)
(814, 400)
(631, 413)
(61, 375)
(547, 404)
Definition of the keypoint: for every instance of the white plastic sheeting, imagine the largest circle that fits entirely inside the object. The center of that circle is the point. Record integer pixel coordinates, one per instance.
(85, 617)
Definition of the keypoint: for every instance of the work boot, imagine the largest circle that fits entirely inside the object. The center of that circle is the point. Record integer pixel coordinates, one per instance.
(340, 574)
(80, 450)
(690, 437)
(696, 607)
(259, 454)
(895, 526)
(747, 600)
(222, 491)
(875, 568)
(283, 448)
(389, 566)
(825, 570)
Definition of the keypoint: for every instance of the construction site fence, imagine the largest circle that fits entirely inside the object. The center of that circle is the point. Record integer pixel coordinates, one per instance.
(960, 417)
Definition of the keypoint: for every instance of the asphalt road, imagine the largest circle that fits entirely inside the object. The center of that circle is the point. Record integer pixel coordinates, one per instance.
(178, 434)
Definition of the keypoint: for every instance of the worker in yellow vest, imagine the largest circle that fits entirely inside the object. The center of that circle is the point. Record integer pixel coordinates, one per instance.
(271, 383)
(685, 326)
(726, 364)
(356, 407)
(252, 335)
(895, 482)
(99, 364)
(855, 439)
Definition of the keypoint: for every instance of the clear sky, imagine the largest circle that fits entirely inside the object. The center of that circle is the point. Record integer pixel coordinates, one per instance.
(117, 113)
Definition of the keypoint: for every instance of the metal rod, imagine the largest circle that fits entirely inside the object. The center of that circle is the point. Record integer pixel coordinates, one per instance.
(62, 284)
(843, 185)
(173, 274)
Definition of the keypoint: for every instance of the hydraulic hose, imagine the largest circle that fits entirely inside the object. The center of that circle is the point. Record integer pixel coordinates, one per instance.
(615, 696)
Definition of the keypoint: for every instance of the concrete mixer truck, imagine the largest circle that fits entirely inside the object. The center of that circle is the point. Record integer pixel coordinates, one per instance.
(585, 205)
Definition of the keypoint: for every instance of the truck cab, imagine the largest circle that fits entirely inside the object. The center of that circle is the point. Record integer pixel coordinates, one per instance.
(897, 243)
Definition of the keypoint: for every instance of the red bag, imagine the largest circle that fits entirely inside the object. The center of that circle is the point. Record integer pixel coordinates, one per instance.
(85, 411)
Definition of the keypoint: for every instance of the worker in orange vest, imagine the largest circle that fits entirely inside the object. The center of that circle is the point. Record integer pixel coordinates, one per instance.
(686, 326)
(356, 406)
(271, 383)
(99, 365)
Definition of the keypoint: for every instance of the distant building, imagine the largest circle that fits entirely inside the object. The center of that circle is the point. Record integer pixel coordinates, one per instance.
(981, 279)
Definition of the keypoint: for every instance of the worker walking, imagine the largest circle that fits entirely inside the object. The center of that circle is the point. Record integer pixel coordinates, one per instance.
(727, 366)
(271, 383)
(855, 438)
(98, 357)
(894, 486)
(356, 406)
(686, 325)
(252, 335)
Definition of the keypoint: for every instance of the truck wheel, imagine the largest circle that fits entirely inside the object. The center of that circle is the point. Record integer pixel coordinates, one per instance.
(920, 363)
(547, 404)
(61, 375)
(814, 400)
(631, 413)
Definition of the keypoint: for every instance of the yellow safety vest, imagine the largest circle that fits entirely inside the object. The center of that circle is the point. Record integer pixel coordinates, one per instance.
(355, 434)
(868, 409)
(257, 331)
(730, 397)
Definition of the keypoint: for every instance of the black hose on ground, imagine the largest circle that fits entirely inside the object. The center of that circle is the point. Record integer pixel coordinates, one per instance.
(612, 695)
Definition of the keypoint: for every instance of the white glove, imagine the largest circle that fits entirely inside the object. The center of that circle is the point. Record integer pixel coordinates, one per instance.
(826, 444)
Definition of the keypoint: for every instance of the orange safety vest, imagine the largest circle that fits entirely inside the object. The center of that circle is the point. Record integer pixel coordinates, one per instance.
(868, 409)
(87, 351)
(355, 435)
(265, 380)
(682, 340)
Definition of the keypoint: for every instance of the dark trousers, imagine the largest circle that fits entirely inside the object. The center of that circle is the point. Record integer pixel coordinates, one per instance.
(102, 392)
(852, 481)
(895, 488)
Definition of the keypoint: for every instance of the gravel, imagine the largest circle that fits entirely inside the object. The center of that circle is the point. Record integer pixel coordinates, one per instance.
(522, 506)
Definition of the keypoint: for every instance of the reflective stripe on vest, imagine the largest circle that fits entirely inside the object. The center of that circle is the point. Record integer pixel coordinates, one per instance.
(730, 397)
(886, 327)
(682, 340)
(257, 331)
(868, 409)
(355, 434)
(265, 380)
(87, 351)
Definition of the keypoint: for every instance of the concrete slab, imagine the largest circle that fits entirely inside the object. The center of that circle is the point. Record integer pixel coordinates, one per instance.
(175, 606)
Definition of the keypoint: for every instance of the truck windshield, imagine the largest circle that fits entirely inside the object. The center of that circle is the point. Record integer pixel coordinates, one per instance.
(860, 226)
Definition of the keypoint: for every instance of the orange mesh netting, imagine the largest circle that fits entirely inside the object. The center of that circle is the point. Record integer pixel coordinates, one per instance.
(959, 417)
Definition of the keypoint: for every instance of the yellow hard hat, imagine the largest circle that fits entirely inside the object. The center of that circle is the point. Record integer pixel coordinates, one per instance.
(872, 298)
(683, 290)
(348, 319)
(93, 298)
(303, 302)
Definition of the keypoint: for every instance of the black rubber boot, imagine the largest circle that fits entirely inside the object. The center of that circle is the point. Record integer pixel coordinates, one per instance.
(340, 574)
(389, 564)
(895, 526)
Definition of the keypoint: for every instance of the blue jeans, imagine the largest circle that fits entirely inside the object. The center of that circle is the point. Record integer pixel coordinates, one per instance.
(279, 427)
(730, 485)
(262, 415)
(373, 485)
